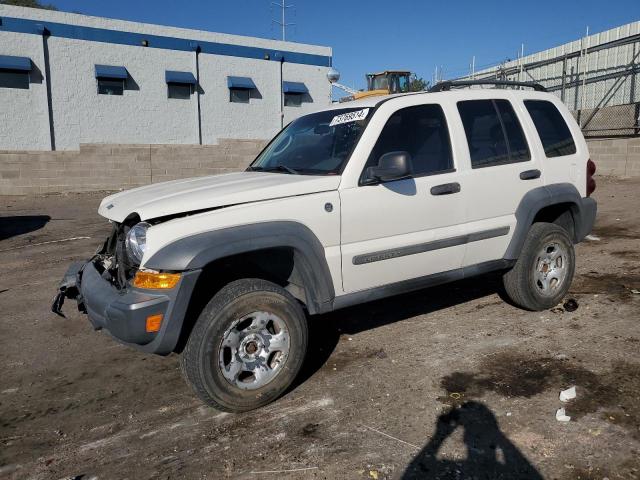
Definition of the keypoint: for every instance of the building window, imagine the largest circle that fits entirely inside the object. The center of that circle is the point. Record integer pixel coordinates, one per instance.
(292, 99)
(14, 79)
(294, 93)
(110, 87)
(180, 91)
(111, 79)
(14, 72)
(180, 85)
(240, 89)
(239, 95)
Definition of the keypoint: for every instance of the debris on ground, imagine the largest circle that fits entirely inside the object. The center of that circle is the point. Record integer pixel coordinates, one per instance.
(570, 305)
(592, 238)
(561, 415)
(568, 394)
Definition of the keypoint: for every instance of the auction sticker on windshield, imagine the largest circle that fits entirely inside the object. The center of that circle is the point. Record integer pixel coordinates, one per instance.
(349, 117)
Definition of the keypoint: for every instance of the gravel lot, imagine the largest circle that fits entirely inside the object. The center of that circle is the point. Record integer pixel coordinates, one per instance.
(446, 380)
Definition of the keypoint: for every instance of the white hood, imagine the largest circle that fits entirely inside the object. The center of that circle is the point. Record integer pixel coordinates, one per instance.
(182, 196)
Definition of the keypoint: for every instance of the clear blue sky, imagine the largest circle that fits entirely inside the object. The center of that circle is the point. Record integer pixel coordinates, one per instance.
(372, 35)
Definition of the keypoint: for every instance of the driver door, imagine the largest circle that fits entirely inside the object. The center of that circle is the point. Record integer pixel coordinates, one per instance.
(409, 228)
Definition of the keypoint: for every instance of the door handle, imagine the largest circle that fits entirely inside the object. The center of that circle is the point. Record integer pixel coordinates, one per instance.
(445, 189)
(530, 174)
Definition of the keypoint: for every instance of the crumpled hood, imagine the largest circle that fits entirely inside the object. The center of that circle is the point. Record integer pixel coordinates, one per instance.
(188, 195)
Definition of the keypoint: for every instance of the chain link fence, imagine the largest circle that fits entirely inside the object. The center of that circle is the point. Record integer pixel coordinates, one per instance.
(597, 77)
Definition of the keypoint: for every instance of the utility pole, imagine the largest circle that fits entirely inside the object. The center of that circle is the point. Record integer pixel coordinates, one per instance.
(521, 54)
(585, 63)
(283, 6)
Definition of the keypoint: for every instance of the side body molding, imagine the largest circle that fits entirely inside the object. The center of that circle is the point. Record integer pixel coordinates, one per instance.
(197, 251)
(583, 211)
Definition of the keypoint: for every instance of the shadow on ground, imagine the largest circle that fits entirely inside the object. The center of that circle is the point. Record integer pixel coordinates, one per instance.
(21, 224)
(325, 330)
(490, 454)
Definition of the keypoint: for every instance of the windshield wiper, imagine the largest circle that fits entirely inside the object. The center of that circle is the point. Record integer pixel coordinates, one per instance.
(277, 168)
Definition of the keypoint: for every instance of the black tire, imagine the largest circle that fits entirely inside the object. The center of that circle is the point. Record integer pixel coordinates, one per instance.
(523, 284)
(200, 362)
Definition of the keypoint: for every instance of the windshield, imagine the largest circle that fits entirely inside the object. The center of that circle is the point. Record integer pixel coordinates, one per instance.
(379, 82)
(316, 144)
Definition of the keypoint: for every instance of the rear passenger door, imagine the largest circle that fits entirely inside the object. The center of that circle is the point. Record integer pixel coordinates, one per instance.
(503, 169)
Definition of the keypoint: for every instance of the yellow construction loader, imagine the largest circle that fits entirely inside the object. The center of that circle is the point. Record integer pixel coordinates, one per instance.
(383, 83)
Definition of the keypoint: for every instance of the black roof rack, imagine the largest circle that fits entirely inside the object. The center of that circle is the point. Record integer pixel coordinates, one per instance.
(449, 84)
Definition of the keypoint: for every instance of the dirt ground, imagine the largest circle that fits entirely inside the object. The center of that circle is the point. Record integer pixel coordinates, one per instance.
(450, 382)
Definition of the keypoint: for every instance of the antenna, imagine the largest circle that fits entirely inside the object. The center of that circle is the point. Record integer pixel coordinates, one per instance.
(283, 22)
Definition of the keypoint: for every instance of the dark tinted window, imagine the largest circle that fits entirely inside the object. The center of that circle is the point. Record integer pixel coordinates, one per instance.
(421, 131)
(292, 99)
(239, 95)
(493, 132)
(518, 148)
(110, 87)
(553, 130)
(14, 79)
(179, 90)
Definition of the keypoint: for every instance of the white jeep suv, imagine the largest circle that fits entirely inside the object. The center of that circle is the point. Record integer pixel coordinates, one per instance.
(350, 204)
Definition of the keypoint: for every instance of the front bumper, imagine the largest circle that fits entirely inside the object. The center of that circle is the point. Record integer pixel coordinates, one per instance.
(123, 312)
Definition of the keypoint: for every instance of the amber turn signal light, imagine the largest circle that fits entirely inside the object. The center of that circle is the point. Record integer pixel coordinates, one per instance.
(154, 322)
(155, 280)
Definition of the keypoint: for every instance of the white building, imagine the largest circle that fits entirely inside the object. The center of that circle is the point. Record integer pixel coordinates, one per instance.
(68, 79)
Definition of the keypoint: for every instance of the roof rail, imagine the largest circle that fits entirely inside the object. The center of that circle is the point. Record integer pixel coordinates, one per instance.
(449, 84)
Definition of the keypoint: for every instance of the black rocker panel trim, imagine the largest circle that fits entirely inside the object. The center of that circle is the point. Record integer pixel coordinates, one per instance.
(429, 246)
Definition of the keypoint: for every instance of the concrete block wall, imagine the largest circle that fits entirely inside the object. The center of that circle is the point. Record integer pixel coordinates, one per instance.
(98, 167)
(617, 157)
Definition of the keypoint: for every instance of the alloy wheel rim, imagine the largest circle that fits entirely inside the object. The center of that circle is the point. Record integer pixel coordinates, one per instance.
(254, 350)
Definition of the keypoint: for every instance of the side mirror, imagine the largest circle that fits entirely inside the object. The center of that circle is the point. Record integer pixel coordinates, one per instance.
(391, 166)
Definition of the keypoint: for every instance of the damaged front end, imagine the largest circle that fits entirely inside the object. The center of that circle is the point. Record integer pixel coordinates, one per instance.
(105, 290)
(110, 261)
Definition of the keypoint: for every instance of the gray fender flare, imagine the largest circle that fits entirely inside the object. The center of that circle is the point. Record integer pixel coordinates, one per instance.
(196, 251)
(582, 209)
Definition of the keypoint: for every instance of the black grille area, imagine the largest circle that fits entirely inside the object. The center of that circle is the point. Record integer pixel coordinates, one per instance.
(112, 260)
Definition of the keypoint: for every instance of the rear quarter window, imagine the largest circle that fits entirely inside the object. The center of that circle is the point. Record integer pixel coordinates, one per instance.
(553, 130)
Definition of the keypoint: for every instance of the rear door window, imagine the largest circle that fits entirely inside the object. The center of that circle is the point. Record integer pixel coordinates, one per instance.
(553, 130)
(494, 134)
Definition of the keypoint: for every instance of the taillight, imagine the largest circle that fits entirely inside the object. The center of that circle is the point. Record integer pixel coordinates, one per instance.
(591, 183)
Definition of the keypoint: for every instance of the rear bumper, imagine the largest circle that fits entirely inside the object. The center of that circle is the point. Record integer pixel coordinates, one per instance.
(123, 312)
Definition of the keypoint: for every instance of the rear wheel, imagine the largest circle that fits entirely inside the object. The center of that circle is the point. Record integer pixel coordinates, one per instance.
(543, 273)
(247, 346)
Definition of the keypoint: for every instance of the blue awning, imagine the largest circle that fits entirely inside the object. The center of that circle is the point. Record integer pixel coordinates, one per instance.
(294, 87)
(180, 77)
(241, 82)
(110, 71)
(15, 63)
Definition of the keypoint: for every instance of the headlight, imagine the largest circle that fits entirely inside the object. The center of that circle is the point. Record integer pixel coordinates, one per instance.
(137, 241)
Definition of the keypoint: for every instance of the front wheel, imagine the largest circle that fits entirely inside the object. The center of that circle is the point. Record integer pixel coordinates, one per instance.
(543, 273)
(247, 346)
